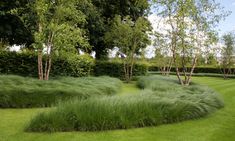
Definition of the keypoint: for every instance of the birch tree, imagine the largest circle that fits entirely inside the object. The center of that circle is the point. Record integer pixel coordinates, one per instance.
(192, 25)
(130, 37)
(228, 54)
(56, 29)
(163, 52)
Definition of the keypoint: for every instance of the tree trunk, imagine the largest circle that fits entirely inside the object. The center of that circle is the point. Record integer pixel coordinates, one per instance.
(128, 72)
(131, 70)
(48, 68)
(47, 62)
(125, 70)
(49, 53)
(163, 70)
(169, 68)
(178, 76)
(188, 81)
(184, 62)
(40, 55)
(174, 59)
(40, 65)
(224, 71)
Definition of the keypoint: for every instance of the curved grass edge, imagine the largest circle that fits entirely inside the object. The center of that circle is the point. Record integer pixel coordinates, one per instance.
(150, 108)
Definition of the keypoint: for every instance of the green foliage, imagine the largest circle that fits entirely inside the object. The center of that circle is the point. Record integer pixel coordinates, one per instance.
(192, 28)
(95, 26)
(211, 60)
(163, 101)
(227, 53)
(228, 50)
(75, 66)
(18, 63)
(134, 8)
(130, 37)
(13, 31)
(105, 10)
(12, 28)
(219, 126)
(206, 69)
(115, 69)
(24, 92)
(25, 64)
(57, 24)
(57, 28)
(202, 61)
(196, 74)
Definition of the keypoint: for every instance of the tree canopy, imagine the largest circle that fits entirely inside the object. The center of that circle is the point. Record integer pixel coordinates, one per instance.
(12, 28)
(130, 37)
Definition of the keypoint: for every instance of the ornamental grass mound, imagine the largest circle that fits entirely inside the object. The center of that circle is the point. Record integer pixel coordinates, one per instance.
(163, 103)
(25, 92)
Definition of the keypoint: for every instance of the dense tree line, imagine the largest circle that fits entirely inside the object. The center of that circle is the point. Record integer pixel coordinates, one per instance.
(61, 28)
(12, 28)
(19, 27)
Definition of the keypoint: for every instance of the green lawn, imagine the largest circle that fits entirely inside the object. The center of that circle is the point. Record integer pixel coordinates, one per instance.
(219, 126)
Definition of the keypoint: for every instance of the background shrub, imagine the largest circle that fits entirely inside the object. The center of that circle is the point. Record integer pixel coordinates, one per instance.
(18, 63)
(21, 92)
(199, 69)
(115, 69)
(162, 101)
(76, 66)
(25, 64)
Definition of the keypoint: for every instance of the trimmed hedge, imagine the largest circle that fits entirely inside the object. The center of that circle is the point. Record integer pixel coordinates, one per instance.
(77, 67)
(196, 70)
(18, 63)
(195, 74)
(24, 92)
(115, 69)
(25, 64)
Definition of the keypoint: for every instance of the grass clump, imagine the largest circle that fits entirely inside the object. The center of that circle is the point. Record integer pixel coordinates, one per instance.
(155, 105)
(24, 92)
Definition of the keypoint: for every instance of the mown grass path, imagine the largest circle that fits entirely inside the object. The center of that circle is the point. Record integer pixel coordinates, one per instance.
(219, 126)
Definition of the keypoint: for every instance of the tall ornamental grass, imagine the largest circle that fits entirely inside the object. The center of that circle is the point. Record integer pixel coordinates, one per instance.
(22, 92)
(162, 101)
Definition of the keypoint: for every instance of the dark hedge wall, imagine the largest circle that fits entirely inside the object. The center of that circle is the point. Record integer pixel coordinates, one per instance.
(115, 69)
(25, 64)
